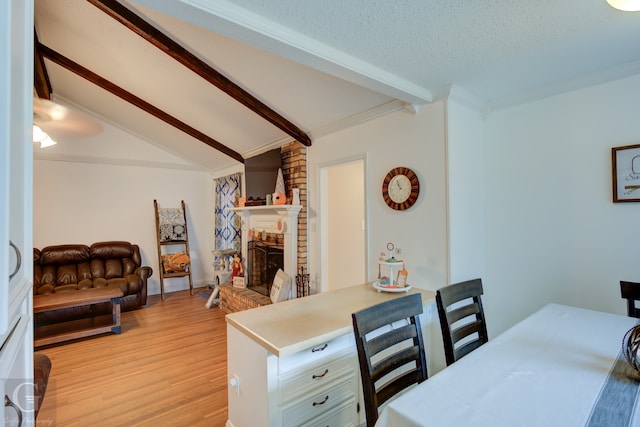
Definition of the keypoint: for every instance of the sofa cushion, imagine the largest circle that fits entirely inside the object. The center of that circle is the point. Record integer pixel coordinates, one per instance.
(119, 282)
(114, 249)
(100, 282)
(66, 274)
(112, 268)
(61, 265)
(64, 254)
(85, 284)
(113, 259)
(65, 288)
(44, 289)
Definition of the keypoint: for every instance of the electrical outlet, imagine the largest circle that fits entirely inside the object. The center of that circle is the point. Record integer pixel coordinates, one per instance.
(235, 383)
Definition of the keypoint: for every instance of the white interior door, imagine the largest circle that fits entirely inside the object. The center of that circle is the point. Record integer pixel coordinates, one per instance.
(16, 259)
(343, 225)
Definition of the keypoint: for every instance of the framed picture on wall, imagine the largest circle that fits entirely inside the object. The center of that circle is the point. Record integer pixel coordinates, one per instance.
(626, 173)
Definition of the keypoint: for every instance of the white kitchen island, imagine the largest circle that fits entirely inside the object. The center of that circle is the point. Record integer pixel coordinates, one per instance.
(295, 363)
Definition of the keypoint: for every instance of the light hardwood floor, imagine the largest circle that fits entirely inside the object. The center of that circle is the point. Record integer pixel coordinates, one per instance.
(168, 367)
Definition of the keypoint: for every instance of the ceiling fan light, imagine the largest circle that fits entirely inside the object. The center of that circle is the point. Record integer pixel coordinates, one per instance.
(38, 134)
(47, 142)
(625, 5)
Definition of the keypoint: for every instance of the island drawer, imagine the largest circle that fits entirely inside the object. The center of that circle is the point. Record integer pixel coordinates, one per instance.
(343, 415)
(320, 404)
(316, 353)
(304, 380)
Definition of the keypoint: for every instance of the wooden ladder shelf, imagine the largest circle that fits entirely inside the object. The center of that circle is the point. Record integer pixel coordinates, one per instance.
(167, 244)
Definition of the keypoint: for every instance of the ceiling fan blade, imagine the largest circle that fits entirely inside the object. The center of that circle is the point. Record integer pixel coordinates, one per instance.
(63, 122)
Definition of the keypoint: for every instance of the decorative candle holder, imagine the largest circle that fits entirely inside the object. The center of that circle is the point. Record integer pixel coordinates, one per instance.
(630, 346)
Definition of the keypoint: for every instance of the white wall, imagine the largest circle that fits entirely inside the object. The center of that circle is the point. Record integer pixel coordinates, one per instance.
(552, 231)
(85, 202)
(401, 138)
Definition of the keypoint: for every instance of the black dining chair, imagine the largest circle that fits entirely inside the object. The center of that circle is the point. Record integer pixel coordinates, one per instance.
(631, 292)
(462, 320)
(390, 347)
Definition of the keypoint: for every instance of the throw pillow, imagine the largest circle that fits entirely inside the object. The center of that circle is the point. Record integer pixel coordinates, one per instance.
(281, 287)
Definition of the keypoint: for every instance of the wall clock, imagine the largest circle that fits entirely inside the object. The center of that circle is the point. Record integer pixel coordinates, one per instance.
(400, 188)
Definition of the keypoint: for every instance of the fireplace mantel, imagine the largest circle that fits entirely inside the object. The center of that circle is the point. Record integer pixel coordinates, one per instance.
(276, 219)
(269, 209)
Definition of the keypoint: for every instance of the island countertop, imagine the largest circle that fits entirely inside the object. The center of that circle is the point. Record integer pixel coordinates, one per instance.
(297, 324)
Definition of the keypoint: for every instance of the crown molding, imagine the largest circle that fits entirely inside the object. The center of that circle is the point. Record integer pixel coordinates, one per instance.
(365, 116)
(116, 162)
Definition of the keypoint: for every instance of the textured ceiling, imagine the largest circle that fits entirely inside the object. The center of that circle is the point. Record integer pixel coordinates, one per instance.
(327, 64)
(499, 50)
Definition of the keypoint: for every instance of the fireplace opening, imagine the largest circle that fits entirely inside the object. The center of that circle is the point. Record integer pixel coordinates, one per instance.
(264, 260)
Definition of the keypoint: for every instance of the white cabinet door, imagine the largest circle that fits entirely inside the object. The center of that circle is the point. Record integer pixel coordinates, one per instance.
(16, 253)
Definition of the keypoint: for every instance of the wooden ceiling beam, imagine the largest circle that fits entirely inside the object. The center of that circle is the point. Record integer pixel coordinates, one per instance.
(116, 90)
(41, 82)
(163, 42)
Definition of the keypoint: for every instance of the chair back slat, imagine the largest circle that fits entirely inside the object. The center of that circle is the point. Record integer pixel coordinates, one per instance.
(392, 337)
(475, 327)
(389, 364)
(389, 390)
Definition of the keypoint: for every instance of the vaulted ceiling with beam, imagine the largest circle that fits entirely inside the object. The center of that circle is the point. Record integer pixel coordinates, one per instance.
(208, 99)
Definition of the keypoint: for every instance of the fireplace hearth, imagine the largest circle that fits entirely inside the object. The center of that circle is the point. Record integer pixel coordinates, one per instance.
(264, 260)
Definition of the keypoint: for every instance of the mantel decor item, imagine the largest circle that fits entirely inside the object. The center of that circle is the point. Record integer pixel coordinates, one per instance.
(626, 173)
(630, 345)
(279, 195)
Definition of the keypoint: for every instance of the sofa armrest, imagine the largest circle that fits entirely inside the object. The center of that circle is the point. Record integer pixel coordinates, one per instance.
(144, 272)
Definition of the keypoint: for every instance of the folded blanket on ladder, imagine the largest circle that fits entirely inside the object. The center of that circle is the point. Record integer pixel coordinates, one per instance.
(172, 224)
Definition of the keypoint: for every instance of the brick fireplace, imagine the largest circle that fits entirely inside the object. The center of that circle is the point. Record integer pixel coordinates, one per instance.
(283, 226)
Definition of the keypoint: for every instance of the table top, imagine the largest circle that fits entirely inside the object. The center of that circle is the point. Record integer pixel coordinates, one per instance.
(74, 298)
(551, 369)
(297, 324)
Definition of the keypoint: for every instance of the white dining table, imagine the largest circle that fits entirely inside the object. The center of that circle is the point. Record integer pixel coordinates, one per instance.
(561, 366)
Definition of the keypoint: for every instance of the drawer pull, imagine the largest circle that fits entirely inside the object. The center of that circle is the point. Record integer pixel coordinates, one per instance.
(314, 376)
(18, 259)
(9, 403)
(323, 401)
(322, 347)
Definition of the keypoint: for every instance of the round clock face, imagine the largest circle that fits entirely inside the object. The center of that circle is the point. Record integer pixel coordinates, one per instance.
(400, 188)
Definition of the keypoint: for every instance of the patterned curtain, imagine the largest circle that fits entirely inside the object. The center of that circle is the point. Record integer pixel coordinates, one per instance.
(228, 233)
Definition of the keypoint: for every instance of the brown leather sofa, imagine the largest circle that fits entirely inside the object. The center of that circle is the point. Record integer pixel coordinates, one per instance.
(72, 268)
